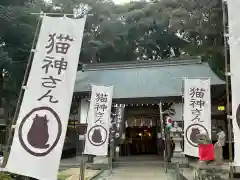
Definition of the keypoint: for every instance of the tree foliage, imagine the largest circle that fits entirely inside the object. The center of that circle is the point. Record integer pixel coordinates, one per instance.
(134, 31)
(5, 65)
(152, 30)
(16, 37)
(201, 25)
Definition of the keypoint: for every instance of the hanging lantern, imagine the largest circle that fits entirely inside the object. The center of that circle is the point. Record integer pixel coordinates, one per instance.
(118, 126)
(126, 124)
(151, 123)
(141, 122)
(117, 135)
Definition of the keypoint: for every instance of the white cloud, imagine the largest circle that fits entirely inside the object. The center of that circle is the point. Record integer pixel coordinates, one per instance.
(121, 1)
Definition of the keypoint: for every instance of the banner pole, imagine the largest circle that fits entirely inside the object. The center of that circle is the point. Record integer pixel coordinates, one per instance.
(21, 93)
(183, 80)
(82, 164)
(163, 135)
(225, 32)
(111, 153)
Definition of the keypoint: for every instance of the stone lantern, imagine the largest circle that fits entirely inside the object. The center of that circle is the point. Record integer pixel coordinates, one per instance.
(175, 133)
(178, 155)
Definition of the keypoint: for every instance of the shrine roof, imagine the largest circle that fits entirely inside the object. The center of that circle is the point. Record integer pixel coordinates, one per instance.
(142, 79)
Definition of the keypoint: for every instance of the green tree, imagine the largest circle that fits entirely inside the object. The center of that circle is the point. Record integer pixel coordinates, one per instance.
(135, 31)
(16, 39)
(5, 92)
(5, 63)
(200, 23)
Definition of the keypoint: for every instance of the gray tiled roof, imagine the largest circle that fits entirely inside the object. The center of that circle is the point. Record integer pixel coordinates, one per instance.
(144, 79)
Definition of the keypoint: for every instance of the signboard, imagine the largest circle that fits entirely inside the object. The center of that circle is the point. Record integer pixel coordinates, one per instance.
(234, 43)
(140, 122)
(197, 113)
(43, 118)
(119, 120)
(99, 121)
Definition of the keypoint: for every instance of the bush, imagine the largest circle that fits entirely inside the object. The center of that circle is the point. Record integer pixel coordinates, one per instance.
(10, 176)
(5, 176)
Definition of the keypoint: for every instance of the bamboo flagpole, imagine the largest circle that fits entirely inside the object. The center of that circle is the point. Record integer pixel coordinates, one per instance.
(227, 75)
(183, 81)
(20, 97)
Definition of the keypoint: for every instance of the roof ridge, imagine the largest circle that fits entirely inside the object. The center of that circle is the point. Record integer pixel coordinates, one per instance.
(143, 64)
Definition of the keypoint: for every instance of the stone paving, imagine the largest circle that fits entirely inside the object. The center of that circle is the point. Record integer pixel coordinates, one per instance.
(72, 162)
(88, 174)
(148, 172)
(130, 168)
(73, 173)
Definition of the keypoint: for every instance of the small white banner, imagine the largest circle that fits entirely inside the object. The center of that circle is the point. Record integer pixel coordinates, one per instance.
(42, 122)
(234, 43)
(99, 121)
(197, 113)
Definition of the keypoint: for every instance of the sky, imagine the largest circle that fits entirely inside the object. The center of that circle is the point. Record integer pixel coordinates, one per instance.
(121, 1)
(116, 1)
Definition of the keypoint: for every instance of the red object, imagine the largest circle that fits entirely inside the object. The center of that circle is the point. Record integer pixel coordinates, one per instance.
(168, 120)
(206, 152)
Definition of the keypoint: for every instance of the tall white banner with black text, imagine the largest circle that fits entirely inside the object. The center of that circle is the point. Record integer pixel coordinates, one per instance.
(197, 113)
(43, 118)
(234, 43)
(99, 121)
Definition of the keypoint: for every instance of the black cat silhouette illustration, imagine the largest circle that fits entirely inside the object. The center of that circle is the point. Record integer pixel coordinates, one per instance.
(38, 134)
(193, 136)
(97, 136)
(238, 116)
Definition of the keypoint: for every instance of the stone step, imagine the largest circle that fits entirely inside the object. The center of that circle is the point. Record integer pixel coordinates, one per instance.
(186, 174)
(211, 166)
(193, 172)
(181, 161)
(97, 166)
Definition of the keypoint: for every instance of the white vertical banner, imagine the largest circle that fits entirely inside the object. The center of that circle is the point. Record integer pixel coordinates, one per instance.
(99, 121)
(42, 122)
(234, 43)
(197, 113)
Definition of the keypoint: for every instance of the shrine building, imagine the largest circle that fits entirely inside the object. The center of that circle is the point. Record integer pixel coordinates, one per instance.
(139, 88)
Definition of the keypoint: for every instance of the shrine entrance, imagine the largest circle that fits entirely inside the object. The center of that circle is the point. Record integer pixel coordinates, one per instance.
(144, 140)
(142, 129)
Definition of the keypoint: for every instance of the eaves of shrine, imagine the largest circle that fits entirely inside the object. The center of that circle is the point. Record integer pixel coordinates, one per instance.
(151, 80)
